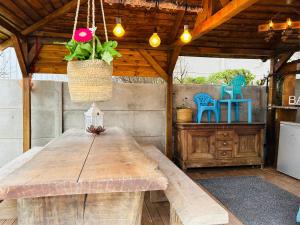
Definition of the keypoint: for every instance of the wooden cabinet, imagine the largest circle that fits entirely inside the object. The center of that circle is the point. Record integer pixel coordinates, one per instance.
(209, 145)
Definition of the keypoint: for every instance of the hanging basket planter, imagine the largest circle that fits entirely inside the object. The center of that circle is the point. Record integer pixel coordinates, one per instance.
(90, 80)
(90, 66)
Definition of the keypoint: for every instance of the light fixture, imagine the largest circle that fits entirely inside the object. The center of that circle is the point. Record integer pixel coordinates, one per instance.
(289, 22)
(154, 40)
(118, 30)
(271, 25)
(186, 36)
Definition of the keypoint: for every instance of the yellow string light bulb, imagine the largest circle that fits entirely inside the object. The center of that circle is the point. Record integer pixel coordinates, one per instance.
(186, 36)
(289, 22)
(271, 24)
(154, 40)
(118, 30)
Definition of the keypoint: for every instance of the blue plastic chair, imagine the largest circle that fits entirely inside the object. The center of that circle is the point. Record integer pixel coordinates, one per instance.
(205, 102)
(234, 88)
(298, 216)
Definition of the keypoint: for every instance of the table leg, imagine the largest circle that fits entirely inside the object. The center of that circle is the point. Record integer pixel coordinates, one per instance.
(250, 111)
(237, 115)
(92, 209)
(229, 112)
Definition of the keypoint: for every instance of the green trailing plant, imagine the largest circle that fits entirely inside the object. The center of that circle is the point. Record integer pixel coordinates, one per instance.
(84, 50)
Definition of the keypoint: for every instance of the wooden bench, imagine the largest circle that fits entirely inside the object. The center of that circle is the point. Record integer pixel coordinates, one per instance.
(8, 208)
(190, 204)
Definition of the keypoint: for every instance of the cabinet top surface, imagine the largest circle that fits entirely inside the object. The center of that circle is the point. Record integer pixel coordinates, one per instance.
(81, 163)
(199, 125)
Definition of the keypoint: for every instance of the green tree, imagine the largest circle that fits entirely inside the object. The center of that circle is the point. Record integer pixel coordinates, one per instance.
(194, 80)
(227, 75)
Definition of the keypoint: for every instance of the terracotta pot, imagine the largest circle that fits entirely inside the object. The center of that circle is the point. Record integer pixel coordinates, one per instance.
(184, 115)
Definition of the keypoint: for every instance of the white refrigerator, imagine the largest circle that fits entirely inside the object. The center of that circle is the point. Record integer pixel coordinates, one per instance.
(288, 161)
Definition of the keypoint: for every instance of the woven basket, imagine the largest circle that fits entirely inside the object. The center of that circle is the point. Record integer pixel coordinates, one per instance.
(90, 80)
(184, 115)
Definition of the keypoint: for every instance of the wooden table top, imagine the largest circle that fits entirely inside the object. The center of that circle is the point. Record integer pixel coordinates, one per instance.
(80, 163)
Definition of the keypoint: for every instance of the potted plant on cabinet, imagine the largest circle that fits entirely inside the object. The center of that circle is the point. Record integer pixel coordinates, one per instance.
(184, 113)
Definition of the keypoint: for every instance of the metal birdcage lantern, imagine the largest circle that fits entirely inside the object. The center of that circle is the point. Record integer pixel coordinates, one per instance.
(93, 118)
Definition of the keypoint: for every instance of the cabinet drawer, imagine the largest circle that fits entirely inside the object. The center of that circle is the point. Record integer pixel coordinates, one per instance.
(224, 154)
(224, 135)
(224, 145)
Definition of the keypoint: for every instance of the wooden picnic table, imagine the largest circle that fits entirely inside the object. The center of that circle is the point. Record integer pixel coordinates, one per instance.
(80, 178)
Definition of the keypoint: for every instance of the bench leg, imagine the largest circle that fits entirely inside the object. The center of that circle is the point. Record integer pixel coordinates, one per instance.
(174, 218)
(92, 209)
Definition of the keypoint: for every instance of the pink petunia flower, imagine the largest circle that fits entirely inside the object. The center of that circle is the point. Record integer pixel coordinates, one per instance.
(83, 35)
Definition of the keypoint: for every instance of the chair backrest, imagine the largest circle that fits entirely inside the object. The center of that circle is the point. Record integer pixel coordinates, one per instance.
(203, 99)
(238, 82)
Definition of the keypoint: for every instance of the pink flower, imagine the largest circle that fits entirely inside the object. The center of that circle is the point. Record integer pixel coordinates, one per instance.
(83, 35)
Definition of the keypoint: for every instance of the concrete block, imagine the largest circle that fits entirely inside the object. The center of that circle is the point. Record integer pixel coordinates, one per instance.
(11, 123)
(43, 123)
(125, 97)
(11, 94)
(10, 149)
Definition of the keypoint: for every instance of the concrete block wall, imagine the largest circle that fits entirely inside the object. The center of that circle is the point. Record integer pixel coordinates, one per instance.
(138, 108)
(256, 93)
(11, 143)
(46, 111)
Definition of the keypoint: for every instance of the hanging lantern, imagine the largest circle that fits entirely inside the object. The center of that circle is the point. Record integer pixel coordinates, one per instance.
(289, 22)
(93, 118)
(154, 40)
(118, 30)
(271, 25)
(186, 36)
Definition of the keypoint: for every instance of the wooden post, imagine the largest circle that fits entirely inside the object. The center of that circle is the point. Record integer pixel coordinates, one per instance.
(26, 91)
(169, 117)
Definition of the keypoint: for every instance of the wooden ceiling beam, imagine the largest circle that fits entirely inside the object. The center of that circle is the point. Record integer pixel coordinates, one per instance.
(174, 54)
(20, 55)
(52, 16)
(6, 44)
(283, 58)
(177, 24)
(226, 52)
(207, 11)
(224, 2)
(233, 8)
(161, 72)
(290, 68)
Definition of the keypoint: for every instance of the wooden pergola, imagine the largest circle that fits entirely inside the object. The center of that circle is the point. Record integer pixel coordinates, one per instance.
(225, 28)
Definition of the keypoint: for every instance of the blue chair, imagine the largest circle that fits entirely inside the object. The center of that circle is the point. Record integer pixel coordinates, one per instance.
(234, 88)
(205, 102)
(298, 216)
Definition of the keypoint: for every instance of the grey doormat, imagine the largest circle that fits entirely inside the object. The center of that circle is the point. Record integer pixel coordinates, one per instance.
(253, 200)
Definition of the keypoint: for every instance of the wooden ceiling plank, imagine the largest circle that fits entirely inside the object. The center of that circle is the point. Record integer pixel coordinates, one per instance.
(20, 55)
(28, 10)
(161, 72)
(226, 13)
(9, 29)
(8, 15)
(207, 11)
(57, 13)
(17, 10)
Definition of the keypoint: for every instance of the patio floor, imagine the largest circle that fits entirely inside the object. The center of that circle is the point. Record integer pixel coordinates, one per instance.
(158, 213)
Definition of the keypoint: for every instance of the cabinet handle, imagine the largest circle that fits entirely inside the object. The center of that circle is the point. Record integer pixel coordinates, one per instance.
(224, 143)
(223, 153)
(225, 134)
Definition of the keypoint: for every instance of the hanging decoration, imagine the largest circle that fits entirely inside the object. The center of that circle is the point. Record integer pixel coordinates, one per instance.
(90, 67)
(186, 36)
(154, 40)
(286, 30)
(118, 30)
(171, 5)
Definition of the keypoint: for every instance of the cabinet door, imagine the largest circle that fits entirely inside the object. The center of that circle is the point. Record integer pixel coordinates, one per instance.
(248, 143)
(201, 144)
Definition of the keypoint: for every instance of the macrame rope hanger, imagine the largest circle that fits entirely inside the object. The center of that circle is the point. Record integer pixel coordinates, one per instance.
(93, 21)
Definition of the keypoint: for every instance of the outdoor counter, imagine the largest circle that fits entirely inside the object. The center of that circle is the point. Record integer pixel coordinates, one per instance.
(81, 178)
